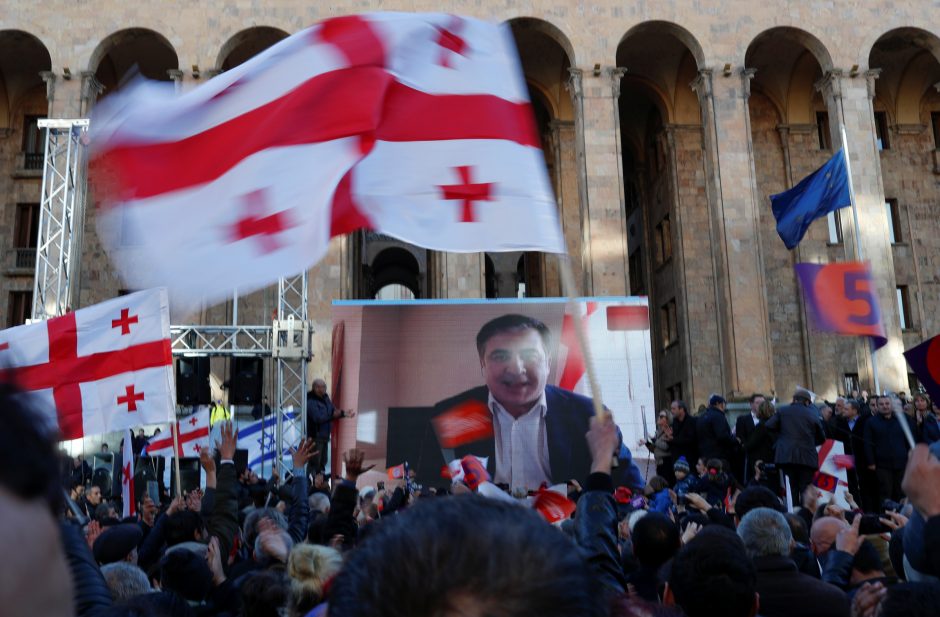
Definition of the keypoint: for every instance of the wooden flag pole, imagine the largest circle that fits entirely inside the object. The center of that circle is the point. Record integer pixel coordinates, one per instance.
(174, 428)
(567, 280)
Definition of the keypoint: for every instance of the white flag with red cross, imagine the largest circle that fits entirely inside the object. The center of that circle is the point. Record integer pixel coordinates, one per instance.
(127, 476)
(99, 369)
(192, 437)
(415, 125)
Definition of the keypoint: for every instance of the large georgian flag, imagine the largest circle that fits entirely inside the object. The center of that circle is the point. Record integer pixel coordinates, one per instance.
(104, 368)
(415, 125)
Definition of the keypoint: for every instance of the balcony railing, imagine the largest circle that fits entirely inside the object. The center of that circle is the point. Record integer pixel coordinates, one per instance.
(32, 160)
(21, 259)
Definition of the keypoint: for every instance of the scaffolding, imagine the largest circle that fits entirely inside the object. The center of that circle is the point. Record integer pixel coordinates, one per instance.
(58, 272)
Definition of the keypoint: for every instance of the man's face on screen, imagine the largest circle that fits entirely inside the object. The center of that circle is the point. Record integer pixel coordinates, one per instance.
(515, 366)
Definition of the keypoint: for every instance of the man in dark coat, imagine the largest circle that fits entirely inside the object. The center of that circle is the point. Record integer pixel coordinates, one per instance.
(800, 430)
(744, 429)
(783, 590)
(320, 416)
(537, 429)
(886, 448)
(849, 428)
(714, 432)
(684, 438)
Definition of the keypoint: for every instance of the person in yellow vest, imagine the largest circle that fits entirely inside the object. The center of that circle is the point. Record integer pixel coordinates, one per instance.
(219, 413)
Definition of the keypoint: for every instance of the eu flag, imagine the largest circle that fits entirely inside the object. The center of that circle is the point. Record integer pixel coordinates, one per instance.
(818, 194)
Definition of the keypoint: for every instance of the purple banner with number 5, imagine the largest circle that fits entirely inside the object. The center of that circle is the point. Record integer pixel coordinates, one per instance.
(841, 297)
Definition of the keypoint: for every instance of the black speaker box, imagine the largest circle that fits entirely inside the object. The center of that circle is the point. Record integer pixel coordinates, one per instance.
(246, 381)
(148, 469)
(102, 473)
(192, 381)
(189, 475)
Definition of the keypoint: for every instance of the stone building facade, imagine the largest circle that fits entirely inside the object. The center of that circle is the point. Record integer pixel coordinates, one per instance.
(666, 125)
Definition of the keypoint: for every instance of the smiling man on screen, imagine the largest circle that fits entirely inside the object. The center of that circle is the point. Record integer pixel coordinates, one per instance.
(538, 430)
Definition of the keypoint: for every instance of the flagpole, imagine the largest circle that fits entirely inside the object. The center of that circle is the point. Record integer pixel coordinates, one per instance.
(858, 242)
(174, 428)
(567, 279)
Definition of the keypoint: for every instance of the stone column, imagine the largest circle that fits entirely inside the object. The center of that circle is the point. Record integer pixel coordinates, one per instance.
(457, 275)
(90, 90)
(576, 90)
(849, 101)
(600, 119)
(567, 179)
(744, 331)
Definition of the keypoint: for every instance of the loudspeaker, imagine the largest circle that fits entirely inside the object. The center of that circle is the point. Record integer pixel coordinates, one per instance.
(246, 381)
(192, 381)
(189, 475)
(102, 467)
(148, 469)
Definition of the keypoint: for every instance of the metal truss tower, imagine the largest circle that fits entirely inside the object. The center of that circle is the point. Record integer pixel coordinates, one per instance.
(61, 218)
(58, 271)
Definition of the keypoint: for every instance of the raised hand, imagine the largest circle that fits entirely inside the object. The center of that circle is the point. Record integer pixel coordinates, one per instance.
(353, 459)
(229, 440)
(602, 442)
(303, 453)
(206, 460)
(92, 531)
(214, 559)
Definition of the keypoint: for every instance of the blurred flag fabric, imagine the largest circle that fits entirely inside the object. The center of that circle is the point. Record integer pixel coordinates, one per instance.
(397, 472)
(415, 125)
(129, 506)
(465, 423)
(99, 369)
(841, 298)
(815, 196)
(925, 361)
(192, 436)
(260, 439)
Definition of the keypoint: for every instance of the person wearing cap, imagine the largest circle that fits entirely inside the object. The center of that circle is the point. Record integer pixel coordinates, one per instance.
(799, 429)
(714, 432)
(118, 543)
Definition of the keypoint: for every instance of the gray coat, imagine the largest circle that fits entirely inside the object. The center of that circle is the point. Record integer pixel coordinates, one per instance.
(800, 430)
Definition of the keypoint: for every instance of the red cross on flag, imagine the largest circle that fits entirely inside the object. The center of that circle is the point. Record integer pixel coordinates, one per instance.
(103, 368)
(415, 125)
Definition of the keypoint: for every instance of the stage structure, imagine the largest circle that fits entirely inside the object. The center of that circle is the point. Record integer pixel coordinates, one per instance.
(56, 287)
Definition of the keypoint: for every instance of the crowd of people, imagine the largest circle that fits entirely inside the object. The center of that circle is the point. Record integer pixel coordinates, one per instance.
(713, 536)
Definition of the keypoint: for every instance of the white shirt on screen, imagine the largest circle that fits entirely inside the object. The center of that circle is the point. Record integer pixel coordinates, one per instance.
(521, 446)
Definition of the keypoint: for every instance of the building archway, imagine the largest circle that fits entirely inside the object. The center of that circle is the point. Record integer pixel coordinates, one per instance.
(663, 168)
(791, 137)
(392, 267)
(246, 44)
(147, 52)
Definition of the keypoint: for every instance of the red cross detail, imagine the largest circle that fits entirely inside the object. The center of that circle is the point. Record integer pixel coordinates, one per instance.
(182, 438)
(197, 447)
(467, 192)
(66, 370)
(4, 346)
(127, 473)
(451, 42)
(124, 322)
(257, 224)
(193, 421)
(130, 398)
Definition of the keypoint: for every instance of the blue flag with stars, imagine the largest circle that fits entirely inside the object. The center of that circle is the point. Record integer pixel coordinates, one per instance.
(823, 191)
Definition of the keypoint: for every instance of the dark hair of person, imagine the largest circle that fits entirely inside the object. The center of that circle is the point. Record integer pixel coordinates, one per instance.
(186, 573)
(711, 576)
(511, 323)
(655, 540)
(798, 527)
(756, 497)
(182, 526)
(754, 397)
(29, 461)
(683, 405)
(156, 604)
(466, 555)
(658, 483)
(264, 594)
(911, 600)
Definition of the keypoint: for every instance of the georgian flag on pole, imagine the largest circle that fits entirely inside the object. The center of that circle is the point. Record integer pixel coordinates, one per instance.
(193, 436)
(127, 476)
(415, 125)
(104, 368)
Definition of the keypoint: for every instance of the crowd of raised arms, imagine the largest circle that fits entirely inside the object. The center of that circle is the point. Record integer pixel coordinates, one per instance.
(711, 534)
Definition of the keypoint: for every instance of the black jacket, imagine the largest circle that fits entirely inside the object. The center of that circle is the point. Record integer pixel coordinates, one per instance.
(853, 439)
(595, 531)
(714, 435)
(885, 446)
(800, 430)
(684, 440)
(785, 592)
(91, 593)
(759, 445)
